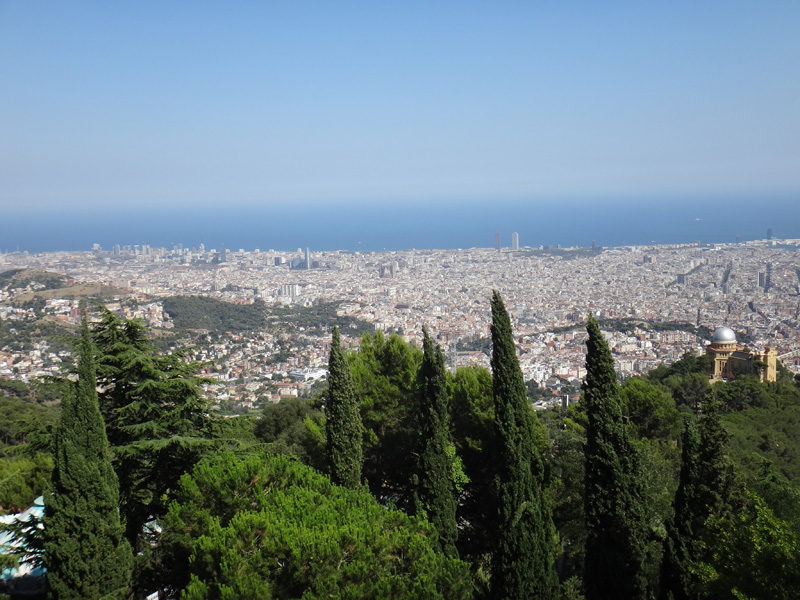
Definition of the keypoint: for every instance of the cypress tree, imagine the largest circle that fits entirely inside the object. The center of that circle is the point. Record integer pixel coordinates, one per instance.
(679, 545)
(85, 553)
(343, 425)
(522, 563)
(434, 498)
(707, 486)
(615, 522)
(717, 486)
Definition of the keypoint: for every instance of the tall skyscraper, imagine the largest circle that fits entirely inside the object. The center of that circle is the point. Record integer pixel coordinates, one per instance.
(515, 241)
(769, 233)
(308, 259)
(497, 240)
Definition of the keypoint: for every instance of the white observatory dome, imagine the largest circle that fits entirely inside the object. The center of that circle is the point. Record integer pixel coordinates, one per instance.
(724, 335)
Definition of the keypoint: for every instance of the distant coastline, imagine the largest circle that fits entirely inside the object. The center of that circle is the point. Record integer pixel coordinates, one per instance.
(410, 224)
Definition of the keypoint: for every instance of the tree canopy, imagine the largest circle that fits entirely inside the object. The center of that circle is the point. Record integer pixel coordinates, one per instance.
(268, 527)
(85, 552)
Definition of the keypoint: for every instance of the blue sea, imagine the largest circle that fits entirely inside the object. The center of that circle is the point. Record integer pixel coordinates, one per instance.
(412, 224)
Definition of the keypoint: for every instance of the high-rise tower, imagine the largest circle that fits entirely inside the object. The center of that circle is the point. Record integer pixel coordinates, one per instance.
(515, 241)
(308, 259)
(497, 240)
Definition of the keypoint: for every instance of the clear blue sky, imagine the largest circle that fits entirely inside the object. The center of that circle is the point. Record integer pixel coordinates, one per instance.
(171, 103)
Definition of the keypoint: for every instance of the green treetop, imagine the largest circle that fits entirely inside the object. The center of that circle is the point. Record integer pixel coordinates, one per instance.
(614, 506)
(343, 425)
(85, 553)
(157, 422)
(269, 527)
(434, 498)
(384, 373)
(522, 563)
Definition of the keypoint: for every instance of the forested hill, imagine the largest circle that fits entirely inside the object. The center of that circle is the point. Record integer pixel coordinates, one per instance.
(21, 278)
(318, 318)
(199, 312)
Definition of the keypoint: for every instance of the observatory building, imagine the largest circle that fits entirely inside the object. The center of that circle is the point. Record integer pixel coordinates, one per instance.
(728, 358)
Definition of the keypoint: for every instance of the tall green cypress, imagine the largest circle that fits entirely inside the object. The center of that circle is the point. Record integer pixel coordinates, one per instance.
(343, 420)
(614, 498)
(522, 562)
(707, 486)
(677, 580)
(435, 494)
(717, 486)
(85, 553)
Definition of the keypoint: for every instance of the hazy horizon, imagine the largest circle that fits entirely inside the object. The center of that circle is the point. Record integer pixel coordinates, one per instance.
(403, 225)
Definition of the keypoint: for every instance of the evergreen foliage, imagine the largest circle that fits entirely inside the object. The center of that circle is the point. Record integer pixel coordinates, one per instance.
(157, 422)
(650, 409)
(25, 458)
(316, 318)
(385, 375)
(614, 505)
(718, 488)
(607, 459)
(268, 527)
(753, 554)
(23, 479)
(707, 488)
(434, 498)
(686, 379)
(85, 553)
(20, 278)
(296, 428)
(771, 434)
(522, 563)
(343, 421)
(474, 435)
(566, 466)
(680, 546)
(21, 422)
(218, 316)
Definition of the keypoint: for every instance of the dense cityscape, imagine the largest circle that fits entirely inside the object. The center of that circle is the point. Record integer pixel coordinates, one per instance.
(751, 287)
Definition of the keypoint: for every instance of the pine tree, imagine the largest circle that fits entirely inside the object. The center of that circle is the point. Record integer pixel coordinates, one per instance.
(85, 553)
(434, 498)
(157, 422)
(343, 425)
(522, 563)
(615, 521)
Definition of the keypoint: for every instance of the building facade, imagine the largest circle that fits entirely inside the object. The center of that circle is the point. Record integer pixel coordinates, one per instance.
(729, 358)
